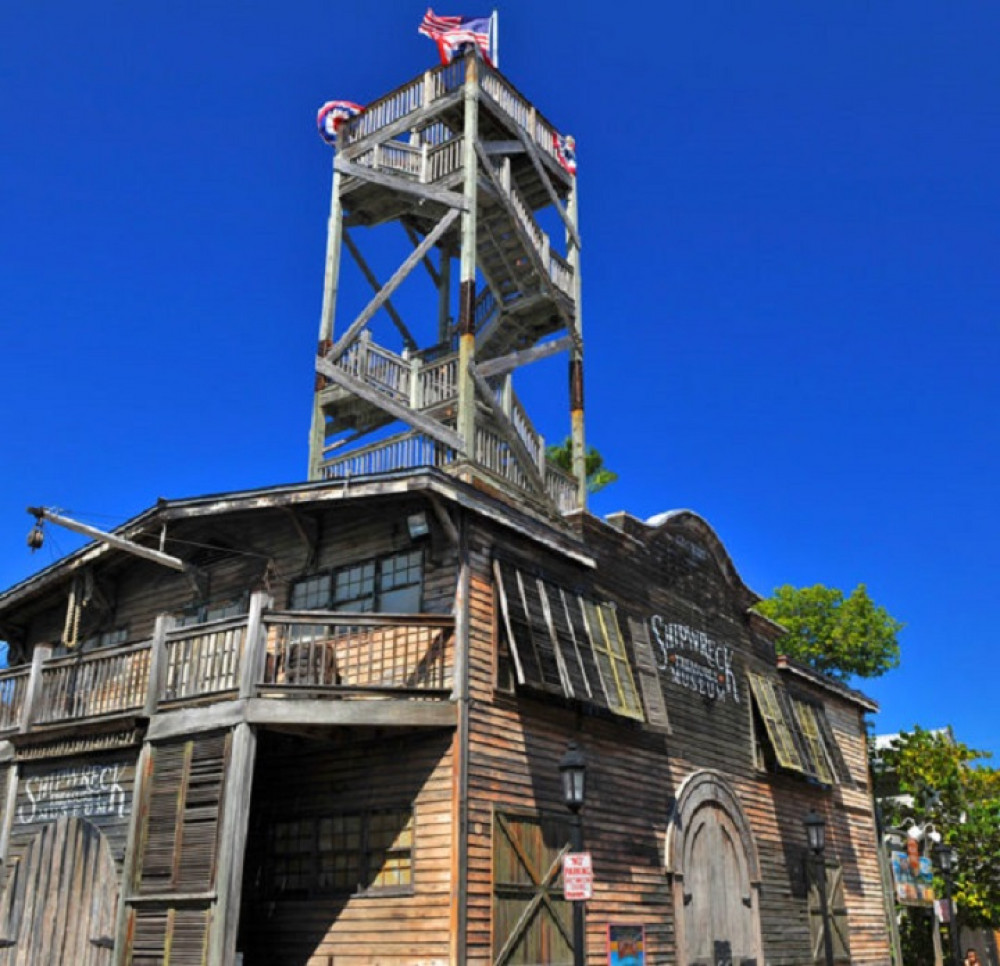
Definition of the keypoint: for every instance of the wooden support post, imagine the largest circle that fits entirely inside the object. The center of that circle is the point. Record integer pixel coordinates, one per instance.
(157, 664)
(33, 695)
(444, 295)
(131, 863)
(467, 277)
(416, 396)
(254, 646)
(232, 845)
(10, 797)
(331, 281)
(577, 437)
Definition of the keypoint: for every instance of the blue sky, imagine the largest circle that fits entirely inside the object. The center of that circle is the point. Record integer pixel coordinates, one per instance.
(790, 264)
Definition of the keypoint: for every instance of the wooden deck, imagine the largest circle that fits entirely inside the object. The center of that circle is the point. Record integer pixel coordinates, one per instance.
(315, 659)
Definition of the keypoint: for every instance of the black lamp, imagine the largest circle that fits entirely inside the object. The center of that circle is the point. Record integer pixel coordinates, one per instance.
(816, 831)
(573, 769)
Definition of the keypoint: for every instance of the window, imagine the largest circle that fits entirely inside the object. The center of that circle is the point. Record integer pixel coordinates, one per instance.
(798, 735)
(352, 852)
(218, 610)
(563, 643)
(105, 639)
(389, 585)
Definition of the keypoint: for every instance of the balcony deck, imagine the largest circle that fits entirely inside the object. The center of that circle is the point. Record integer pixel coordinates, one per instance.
(309, 668)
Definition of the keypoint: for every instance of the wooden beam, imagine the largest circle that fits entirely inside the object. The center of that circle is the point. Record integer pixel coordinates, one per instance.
(424, 424)
(444, 518)
(376, 303)
(415, 241)
(503, 147)
(408, 339)
(191, 721)
(514, 360)
(323, 711)
(509, 433)
(426, 192)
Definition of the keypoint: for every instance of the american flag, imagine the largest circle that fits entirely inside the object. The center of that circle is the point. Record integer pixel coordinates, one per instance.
(332, 114)
(565, 151)
(451, 33)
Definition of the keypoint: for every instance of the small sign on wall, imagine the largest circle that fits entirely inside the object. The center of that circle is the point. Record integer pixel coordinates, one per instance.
(626, 945)
(578, 876)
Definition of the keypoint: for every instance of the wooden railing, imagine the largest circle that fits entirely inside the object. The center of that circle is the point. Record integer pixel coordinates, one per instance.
(518, 109)
(92, 684)
(371, 653)
(203, 659)
(402, 452)
(13, 693)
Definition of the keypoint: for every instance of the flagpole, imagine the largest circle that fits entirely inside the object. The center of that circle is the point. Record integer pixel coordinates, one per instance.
(495, 37)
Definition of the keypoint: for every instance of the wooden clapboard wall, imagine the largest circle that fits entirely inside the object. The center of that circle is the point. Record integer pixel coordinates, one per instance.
(170, 911)
(352, 772)
(635, 773)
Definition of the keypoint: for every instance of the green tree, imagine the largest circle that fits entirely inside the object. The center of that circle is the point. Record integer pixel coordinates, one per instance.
(598, 475)
(946, 782)
(839, 636)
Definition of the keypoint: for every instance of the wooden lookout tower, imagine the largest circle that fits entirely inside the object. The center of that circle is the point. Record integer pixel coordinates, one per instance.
(464, 164)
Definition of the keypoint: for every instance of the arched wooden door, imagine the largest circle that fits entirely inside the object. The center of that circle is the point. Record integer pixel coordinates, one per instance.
(61, 898)
(716, 881)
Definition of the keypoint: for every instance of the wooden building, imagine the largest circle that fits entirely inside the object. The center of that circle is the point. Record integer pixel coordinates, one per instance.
(320, 724)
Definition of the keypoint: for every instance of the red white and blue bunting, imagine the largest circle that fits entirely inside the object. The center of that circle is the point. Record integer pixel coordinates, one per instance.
(332, 114)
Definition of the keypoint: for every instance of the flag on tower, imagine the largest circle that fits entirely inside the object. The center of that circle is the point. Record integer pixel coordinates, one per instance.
(452, 33)
(332, 114)
(565, 151)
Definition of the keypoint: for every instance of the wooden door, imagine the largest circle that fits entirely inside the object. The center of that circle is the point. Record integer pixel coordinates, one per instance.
(61, 897)
(719, 903)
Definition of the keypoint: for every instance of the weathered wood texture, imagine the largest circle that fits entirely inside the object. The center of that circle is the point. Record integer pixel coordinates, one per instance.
(681, 574)
(303, 916)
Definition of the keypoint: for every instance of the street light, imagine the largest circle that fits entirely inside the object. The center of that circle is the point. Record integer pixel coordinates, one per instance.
(573, 770)
(816, 836)
(945, 856)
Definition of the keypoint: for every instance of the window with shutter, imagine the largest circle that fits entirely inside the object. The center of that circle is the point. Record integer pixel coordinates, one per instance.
(564, 643)
(777, 727)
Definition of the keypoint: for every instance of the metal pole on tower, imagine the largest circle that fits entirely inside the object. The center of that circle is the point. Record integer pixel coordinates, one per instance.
(495, 39)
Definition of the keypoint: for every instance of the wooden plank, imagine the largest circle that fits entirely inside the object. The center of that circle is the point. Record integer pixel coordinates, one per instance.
(305, 712)
(376, 303)
(424, 424)
(501, 365)
(409, 122)
(424, 192)
(189, 721)
(543, 175)
(408, 339)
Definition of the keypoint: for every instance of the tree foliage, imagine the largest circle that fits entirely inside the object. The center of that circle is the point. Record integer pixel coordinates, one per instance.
(837, 635)
(598, 475)
(946, 782)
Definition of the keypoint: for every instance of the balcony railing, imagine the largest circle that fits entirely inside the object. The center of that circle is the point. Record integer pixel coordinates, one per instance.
(262, 654)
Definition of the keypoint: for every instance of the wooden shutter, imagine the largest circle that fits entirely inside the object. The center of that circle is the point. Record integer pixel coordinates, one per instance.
(532, 921)
(818, 757)
(774, 721)
(837, 912)
(164, 935)
(649, 677)
(840, 769)
(179, 841)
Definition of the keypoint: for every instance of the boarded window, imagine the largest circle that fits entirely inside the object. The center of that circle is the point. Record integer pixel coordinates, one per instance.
(565, 644)
(836, 908)
(532, 920)
(797, 730)
(347, 853)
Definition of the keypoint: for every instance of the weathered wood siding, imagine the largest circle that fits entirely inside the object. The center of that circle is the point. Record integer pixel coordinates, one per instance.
(353, 773)
(681, 575)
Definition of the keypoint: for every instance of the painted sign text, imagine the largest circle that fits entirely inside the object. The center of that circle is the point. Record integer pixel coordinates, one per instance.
(88, 791)
(694, 660)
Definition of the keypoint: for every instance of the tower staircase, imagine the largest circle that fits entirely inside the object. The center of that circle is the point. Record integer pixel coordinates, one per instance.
(464, 164)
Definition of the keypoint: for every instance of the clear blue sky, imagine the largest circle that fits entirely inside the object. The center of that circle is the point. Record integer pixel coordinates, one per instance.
(790, 223)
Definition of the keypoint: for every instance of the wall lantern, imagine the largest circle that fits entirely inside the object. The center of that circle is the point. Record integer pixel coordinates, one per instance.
(816, 831)
(573, 768)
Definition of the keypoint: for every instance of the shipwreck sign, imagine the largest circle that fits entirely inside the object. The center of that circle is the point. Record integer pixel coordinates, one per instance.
(694, 660)
(78, 791)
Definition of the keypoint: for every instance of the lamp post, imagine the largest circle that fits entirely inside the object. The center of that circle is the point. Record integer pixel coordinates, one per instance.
(816, 836)
(945, 855)
(573, 770)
